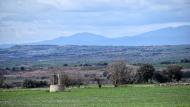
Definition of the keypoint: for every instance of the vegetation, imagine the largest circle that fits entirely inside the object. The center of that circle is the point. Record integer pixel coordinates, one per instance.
(117, 70)
(185, 60)
(51, 55)
(174, 72)
(161, 76)
(146, 72)
(98, 80)
(34, 84)
(130, 96)
(123, 73)
(1, 78)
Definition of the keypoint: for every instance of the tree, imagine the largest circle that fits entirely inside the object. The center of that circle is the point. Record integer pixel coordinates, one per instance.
(146, 72)
(1, 78)
(65, 65)
(161, 76)
(63, 79)
(117, 71)
(34, 84)
(54, 79)
(98, 80)
(174, 72)
(22, 68)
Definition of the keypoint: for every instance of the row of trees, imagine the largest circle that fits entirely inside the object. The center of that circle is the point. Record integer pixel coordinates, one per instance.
(121, 73)
(34, 84)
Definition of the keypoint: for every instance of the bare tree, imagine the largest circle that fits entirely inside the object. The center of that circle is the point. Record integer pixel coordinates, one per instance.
(117, 71)
(53, 79)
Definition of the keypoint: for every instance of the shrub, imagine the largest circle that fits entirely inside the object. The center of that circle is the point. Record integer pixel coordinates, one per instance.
(174, 72)
(65, 65)
(146, 72)
(34, 84)
(161, 76)
(105, 73)
(185, 60)
(98, 80)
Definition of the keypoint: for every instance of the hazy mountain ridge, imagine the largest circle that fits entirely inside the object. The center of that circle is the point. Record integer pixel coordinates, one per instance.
(166, 36)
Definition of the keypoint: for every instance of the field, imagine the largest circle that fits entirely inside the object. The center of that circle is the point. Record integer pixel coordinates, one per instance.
(126, 96)
(51, 55)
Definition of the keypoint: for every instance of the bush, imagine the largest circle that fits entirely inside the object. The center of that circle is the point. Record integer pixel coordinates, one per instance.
(146, 72)
(186, 74)
(161, 76)
(174, 72)
(65, 65)
(98, 80)
(185, 60)
(34, 84)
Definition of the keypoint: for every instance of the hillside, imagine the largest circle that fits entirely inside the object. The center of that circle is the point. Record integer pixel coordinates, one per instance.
(72, 54)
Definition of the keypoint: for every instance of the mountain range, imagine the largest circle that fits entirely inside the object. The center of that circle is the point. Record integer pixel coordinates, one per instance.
(165, 36)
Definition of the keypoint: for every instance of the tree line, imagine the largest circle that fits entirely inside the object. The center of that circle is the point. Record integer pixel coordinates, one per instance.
(122, 73)
(118, 72)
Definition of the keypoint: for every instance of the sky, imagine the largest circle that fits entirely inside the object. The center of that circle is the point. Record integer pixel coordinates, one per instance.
(23, 21)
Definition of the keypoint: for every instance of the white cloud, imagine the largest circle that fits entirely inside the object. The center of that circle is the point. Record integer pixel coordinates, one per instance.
(102, 5)
(35, 20)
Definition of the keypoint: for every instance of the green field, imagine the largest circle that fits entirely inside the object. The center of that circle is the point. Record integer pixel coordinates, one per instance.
(184, 65)
(128, 96)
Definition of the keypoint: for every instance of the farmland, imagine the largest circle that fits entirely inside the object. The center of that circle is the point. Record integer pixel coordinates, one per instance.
(53, 55)
(92, 96)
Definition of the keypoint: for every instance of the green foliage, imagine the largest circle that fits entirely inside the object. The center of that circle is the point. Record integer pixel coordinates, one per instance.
(174, 72)
(34, 84)
(72, 55)
(146, 72)
(185, 60)
(161, 76)
(130, 96)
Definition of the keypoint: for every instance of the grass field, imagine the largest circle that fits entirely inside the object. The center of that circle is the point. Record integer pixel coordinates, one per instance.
(128, 96)
(184, 65)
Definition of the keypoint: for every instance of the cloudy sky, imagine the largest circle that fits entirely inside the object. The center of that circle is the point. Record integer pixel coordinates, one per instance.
(24, 21)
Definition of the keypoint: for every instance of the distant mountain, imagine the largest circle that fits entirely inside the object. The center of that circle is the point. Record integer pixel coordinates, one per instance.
(166, 36)
(78, 39)
(2, 46)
